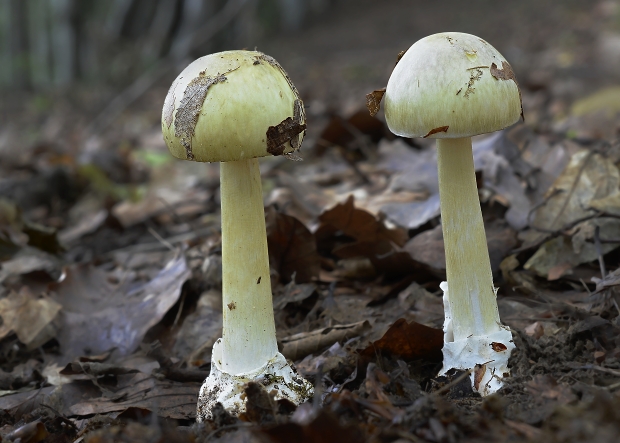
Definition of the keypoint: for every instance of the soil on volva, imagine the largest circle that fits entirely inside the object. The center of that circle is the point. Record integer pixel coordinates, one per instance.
(110, 251)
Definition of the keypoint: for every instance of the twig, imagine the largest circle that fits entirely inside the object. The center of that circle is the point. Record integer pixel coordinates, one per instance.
(612, 387)
(566, 227)
(535, 319)
(600, 369)
(599, 251)
(180, 311)
(156, 246)
(162, 240)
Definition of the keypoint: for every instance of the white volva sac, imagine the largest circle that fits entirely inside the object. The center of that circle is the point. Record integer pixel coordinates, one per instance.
(277, 376)
(452, 86)
(486, 355)
(232, 107)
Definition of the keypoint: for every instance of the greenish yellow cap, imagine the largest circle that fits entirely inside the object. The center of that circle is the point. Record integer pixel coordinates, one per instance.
(232, 105)
(451, 85)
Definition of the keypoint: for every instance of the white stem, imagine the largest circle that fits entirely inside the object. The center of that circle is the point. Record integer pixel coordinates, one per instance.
(249, 334)
(472, 297)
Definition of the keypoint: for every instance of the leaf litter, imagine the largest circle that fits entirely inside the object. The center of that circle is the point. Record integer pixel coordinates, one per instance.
(110, 273)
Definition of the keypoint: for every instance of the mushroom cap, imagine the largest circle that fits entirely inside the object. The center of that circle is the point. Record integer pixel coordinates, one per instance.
(451, 85)
(232, 105)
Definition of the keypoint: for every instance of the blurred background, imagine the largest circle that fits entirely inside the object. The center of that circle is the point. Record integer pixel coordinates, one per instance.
(99, 57)
(83, 81)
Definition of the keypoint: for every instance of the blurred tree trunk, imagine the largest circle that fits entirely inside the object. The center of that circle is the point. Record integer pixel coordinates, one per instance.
(292, 14)
(160, 29)
(45, 43)
(6, 65)
(18, 44)
(39, 24)
(192, 17)
(63, 42)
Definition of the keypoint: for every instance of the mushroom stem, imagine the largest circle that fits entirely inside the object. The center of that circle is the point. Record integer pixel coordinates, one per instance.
(472, 297)
(249, 334)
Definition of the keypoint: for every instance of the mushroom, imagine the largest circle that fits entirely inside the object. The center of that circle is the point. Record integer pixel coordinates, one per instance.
(452, 86)
(233, 107)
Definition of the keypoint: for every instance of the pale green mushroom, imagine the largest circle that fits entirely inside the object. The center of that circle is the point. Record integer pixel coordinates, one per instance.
(452, 86)
(233, 107)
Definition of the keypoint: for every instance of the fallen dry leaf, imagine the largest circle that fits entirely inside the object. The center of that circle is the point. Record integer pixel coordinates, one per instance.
(163, 397)
(358, 224)
(292, 248)
(408, 341)
(29, 316)
(323, 428)
(97, 316)
(351, 132)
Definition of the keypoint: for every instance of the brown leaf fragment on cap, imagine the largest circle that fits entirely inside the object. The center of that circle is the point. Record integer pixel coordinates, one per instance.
(400, 55)
(436, 130)
(506, 73)
(373, 101)
(284, 132)
(190, 107)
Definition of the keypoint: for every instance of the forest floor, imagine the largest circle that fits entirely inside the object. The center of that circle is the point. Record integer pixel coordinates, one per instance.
(110, 250)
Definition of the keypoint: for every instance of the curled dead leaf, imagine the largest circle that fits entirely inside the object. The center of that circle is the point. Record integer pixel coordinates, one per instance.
(408, 341)
(287, 130)
(373, 101)
(437, 130)
(292, 248)
(479, 372)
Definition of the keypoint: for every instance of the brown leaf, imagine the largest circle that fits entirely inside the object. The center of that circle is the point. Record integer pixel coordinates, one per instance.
(557, 271)
(358, 224)
(385, 258)
(166, 398)
(548, 387)
(506, 73)
(292, 248)
(33, 432)
(30, 317)
(324, 428)
(373, 100)
(286, 131)
(97, 316)
(344, 132)
(408, 341)
(134, 431)
(437, 130)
